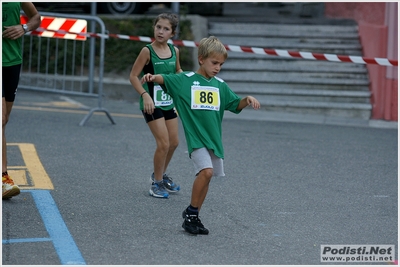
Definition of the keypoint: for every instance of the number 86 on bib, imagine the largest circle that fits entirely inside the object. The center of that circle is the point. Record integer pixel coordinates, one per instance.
(206, 98)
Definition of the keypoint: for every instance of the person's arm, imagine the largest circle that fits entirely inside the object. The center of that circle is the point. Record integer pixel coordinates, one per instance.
(248, 100)
(142, 60)
(32, 14)
(16, 31)
(178, 64)
(153, 78)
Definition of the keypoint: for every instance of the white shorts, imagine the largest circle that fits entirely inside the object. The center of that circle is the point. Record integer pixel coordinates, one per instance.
(204, 158)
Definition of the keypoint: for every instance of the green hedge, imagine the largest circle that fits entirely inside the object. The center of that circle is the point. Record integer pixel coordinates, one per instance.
(120, 54)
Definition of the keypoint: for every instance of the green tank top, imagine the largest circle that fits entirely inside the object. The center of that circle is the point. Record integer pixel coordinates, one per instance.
(159, 66)
(12, 54)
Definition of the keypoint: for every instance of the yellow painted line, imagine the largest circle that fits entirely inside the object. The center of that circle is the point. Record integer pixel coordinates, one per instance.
(16, 167)
(32, 175)
(63, 104)
(77, 111)
(19, 177)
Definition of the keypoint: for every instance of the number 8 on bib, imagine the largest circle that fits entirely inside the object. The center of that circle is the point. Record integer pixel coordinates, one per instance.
(205, 97)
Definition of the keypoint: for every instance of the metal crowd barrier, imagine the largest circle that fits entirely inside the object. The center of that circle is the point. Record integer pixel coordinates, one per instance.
(66, 66)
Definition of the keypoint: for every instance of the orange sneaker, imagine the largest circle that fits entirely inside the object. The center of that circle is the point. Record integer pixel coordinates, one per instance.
(9, 188)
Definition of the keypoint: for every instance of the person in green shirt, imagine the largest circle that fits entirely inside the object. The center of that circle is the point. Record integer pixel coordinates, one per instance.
(201, 99)
(157, 107)
(12, 30)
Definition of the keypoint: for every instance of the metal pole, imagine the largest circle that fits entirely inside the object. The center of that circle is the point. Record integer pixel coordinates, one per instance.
(101, 69)
(93, 11)
(175, 9)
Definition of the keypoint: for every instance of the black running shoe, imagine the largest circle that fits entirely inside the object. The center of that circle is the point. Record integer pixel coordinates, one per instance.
(192, 224)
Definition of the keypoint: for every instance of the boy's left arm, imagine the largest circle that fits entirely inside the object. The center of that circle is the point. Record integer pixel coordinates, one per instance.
(248, 100)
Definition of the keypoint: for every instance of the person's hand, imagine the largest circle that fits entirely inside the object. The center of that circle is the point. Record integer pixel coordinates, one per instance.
(147, 78)
(148, 104)
(13, 32)
(253, 102)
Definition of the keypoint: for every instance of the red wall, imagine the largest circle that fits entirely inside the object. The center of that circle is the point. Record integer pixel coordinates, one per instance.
(373, 20)
(373, 13)
(377, 48)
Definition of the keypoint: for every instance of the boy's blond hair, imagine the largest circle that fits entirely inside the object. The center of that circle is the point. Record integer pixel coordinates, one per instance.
(211, 46)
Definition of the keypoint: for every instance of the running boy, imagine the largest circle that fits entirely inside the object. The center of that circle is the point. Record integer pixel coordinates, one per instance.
(201, 99)
(157, 107)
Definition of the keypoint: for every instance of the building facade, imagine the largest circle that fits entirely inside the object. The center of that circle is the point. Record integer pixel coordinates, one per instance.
(378, 31)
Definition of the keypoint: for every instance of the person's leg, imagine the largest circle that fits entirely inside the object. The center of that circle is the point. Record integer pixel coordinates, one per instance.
(6, 110)
(156, 123)
(9, 88)
(204, 171)
(10, 80)
(192, 222)
(172, 128)
(202, 181)
(200, 187)
(157, 126)
(160, 133)
(3, 128)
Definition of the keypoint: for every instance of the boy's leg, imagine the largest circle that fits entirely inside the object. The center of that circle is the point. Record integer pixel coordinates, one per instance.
(200, 187)
(204, 172)
(206, 166)
(192, 222)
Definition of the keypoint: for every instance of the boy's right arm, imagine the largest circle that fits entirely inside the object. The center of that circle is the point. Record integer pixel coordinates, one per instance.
(153, 78)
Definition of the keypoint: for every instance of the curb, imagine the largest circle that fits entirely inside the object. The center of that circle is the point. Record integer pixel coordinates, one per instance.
(272, 116)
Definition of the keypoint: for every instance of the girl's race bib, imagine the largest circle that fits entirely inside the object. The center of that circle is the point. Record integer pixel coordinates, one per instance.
(160, 97)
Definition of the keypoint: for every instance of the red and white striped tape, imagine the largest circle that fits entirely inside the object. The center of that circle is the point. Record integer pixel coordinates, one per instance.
(73, 28)
(254, 50)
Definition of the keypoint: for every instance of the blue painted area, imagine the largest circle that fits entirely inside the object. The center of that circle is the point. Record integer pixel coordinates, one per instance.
(63, 242)
(26, 240)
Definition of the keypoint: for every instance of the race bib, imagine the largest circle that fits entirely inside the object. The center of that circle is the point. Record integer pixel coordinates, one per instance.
(160, 97)
(205, 97)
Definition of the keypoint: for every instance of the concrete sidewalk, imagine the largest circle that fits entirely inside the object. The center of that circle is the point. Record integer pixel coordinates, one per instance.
(118, 88)
(262, 115)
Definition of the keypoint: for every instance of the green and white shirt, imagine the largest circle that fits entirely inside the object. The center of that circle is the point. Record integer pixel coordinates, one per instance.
(201, 103)
(159, 66)
(12, 54)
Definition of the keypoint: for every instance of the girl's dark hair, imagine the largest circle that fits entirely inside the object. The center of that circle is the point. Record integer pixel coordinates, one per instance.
(173, 19)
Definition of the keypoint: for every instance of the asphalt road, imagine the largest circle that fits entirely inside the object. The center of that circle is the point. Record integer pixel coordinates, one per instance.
(289, 188)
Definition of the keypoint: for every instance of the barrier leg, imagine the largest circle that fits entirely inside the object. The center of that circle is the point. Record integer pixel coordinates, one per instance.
(87, 117)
